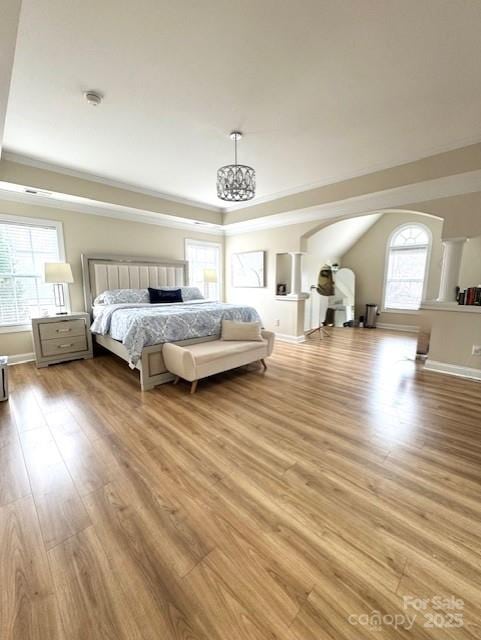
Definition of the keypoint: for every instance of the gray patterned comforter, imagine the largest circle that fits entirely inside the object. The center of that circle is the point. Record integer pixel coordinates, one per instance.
(139, 325)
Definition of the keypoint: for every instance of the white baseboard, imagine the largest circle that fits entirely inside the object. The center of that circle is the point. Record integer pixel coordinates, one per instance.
(410, 328)
(284, 337)
(453, 369)
(19, 358)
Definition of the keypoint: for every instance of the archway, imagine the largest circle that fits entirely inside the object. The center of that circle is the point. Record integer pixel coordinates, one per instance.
(360, 243)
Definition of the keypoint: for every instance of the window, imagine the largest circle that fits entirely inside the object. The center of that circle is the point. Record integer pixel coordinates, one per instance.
(205, 267)
(406, 267)
(24, 248)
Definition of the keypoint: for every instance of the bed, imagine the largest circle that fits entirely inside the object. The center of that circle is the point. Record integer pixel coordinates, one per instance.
(137, 330)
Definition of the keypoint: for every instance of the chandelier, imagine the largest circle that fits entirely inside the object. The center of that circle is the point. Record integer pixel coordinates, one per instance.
(236, 182)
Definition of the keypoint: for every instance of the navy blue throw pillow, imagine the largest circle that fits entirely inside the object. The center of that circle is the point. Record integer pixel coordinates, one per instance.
(165, 295)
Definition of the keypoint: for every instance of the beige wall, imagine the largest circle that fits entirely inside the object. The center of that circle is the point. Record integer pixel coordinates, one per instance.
(91, 234)
(54, 181)
(281, 316)
(450, 163)
(461, 214)
(328, 246)
(453, 334)
(87, 233)
(367, 258)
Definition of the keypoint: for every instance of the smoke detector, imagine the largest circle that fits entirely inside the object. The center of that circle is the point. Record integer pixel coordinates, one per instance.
(93, 98)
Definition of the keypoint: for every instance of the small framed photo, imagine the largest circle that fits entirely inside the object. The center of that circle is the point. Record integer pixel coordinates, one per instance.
(281, 289)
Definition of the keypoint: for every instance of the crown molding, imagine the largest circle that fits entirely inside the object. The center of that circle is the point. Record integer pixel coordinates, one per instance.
(330, 180)
(116, 212)
(366, 170)
(381, 201)
(73, 173)
(375, 202)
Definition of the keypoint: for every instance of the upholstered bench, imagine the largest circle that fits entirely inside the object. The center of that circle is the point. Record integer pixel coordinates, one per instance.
(196, 361)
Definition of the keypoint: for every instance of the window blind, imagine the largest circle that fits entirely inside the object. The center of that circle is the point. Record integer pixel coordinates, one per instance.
(24, 248)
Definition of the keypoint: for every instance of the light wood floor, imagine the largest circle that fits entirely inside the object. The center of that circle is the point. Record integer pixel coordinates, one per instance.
(287, 504)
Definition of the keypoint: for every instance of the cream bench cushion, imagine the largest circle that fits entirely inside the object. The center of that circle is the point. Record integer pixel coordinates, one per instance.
(195, 361)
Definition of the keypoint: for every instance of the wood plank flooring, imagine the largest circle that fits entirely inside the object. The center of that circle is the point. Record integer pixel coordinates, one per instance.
(301, 503)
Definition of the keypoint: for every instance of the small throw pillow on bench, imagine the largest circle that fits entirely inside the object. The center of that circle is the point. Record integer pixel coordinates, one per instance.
(232, 330)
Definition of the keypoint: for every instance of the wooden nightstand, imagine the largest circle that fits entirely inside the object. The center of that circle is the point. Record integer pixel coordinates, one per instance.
(61, 338)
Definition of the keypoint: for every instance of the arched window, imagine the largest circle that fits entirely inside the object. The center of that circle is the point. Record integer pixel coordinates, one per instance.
(406, 267)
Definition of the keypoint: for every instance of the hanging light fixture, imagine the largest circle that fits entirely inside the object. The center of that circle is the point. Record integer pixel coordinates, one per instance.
(236, 182)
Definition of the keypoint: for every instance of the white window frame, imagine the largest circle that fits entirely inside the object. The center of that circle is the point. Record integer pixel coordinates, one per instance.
(207, 243)
(393, 233)
(37, 222)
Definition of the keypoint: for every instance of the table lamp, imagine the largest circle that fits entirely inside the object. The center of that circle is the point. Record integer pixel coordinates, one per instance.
(58, 274)
(210, 277)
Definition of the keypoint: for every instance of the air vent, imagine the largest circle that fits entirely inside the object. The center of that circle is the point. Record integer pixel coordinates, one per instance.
(37, 192)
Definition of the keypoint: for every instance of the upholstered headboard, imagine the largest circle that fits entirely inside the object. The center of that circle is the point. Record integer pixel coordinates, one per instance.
(126, 272)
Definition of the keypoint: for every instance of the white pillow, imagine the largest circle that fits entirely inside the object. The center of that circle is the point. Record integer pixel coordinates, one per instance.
(248, 331)
(120, 296)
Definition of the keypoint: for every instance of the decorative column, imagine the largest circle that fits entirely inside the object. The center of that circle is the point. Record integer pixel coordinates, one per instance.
(452, 254)
(296, 274)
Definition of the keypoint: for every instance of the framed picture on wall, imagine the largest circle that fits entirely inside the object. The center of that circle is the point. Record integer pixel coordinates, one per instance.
(248, 269)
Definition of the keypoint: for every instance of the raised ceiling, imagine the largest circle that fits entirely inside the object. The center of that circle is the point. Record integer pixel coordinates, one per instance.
(323, 90)
(339, 237)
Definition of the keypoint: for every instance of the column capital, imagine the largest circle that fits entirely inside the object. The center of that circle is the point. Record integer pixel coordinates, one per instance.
(459, 239)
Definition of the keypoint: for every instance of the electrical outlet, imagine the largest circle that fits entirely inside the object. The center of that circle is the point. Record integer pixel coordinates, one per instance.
(278, 323)
(476, 350)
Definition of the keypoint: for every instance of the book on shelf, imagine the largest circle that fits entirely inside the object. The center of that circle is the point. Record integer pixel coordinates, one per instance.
(469, 296)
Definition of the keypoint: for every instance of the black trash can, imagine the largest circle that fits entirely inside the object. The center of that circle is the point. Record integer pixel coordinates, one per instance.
(370, 317)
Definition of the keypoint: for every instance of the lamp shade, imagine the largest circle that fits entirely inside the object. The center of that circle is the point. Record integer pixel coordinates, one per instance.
(210, 275)
(58, 272)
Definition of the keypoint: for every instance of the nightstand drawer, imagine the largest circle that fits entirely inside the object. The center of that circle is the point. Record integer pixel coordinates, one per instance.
(67, 344)
(68, 328)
